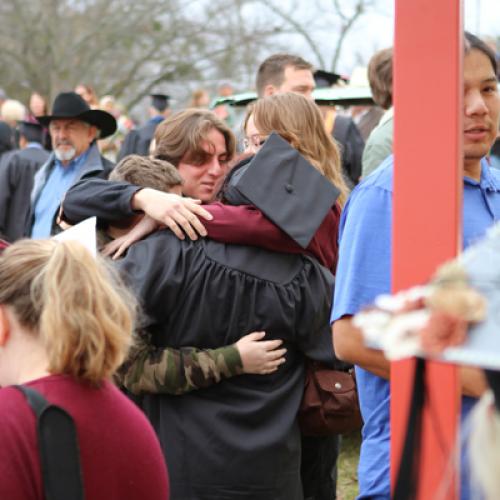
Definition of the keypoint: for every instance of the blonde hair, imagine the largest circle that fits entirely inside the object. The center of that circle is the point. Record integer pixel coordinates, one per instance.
(12, 111)
(484, 446)
(298, 120)
(76, 304)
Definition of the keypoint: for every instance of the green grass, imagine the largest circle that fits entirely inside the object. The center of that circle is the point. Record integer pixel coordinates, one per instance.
(347, 482)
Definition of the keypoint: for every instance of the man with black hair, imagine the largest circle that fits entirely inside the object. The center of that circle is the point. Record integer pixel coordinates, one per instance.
(363, 270)
(17, 170)
(138, 141)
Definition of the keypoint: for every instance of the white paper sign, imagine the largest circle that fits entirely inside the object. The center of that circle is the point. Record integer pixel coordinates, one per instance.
(84, 233)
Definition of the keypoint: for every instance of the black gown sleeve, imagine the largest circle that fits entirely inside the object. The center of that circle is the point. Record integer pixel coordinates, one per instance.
(109, 201)
(154, 269)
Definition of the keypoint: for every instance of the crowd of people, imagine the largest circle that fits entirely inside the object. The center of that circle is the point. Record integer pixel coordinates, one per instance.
(181, 360)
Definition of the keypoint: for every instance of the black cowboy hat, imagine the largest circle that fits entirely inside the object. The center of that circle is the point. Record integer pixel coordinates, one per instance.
(70, 105)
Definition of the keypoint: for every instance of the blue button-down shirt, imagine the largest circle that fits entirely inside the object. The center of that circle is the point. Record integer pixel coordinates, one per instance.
(59, 181)
(364, 271)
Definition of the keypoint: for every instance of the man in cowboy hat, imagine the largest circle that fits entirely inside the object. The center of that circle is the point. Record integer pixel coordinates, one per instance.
(74, 129)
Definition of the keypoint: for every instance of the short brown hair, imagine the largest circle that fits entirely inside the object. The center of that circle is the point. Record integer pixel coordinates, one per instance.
(272, 70)
(146, 172)
(380, 77)
(182, 134)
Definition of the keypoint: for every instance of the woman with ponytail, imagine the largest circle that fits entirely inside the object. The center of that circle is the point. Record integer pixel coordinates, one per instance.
(65, 327)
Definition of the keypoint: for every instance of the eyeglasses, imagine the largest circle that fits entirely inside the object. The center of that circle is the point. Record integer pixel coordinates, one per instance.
(254, 142)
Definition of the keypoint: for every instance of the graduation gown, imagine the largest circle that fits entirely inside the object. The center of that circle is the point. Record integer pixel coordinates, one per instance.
(238, 438)
(137, 141)
(347, 135)
(17, 170)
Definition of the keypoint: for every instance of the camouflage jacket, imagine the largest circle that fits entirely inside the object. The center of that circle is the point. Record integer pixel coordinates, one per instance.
(175, 371)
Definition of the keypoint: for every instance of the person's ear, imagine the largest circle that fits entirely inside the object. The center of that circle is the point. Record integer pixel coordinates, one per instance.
(4, 326)
(269, 89)
(93, 133)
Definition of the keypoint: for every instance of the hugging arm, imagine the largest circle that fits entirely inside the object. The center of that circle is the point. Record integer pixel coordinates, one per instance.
(176, 371)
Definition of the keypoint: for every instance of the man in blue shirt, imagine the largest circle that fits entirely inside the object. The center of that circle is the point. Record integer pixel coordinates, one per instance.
(74, 129)
(364, 269)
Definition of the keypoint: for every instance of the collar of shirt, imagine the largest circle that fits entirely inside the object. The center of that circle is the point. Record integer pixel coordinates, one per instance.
(487, 181)
(34, 145)
(387, 116)
(156, 119)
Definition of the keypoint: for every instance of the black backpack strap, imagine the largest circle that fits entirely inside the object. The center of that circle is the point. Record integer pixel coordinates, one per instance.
(58, 445)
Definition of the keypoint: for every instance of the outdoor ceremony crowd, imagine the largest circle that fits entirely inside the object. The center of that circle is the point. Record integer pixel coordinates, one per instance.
(209, 350)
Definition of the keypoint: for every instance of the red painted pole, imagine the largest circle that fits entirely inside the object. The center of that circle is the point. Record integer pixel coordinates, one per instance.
(428, 93)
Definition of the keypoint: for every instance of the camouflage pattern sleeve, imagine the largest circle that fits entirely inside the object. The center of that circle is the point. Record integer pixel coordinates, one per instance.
(176, 371)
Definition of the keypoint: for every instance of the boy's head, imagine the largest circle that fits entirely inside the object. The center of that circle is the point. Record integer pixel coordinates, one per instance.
(148, 173)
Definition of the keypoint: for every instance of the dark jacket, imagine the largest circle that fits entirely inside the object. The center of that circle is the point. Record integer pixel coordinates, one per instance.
(17, 170)
(137, 141)
(95, 166)
(346, 133)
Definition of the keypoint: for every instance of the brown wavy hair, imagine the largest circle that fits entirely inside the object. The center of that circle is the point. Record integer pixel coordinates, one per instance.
(298, 120)
(182, 134)
(82, 313)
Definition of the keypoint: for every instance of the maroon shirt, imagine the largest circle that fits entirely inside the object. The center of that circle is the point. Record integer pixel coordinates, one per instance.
(119, 452)
(247, 225)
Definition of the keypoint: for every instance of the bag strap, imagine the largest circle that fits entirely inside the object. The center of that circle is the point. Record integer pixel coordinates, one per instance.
(58, 447)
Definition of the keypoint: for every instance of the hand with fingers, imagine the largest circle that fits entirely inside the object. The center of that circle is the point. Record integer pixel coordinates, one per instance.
(260, 356)
(181, 215)
(116, 248)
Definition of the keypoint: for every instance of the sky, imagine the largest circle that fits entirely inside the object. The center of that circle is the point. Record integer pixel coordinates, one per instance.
(375, 30)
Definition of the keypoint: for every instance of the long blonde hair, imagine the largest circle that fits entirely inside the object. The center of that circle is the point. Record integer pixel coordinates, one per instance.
(77, 306)
(298, 120)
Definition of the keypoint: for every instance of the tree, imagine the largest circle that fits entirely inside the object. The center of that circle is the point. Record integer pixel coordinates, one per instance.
(126, 48)
(336, 18)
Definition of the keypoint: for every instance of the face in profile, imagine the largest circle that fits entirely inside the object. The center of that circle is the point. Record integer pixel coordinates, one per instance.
(298, 81)
(253, 139)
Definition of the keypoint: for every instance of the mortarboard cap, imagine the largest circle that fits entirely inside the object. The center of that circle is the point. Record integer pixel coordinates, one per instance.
(281, 183)
(327, 79)
(32, 131)
(159, 101)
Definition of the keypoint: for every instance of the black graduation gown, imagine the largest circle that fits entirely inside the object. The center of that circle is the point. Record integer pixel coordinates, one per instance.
(17, 170)
(239, 438)
(137, 141)
(347, 134)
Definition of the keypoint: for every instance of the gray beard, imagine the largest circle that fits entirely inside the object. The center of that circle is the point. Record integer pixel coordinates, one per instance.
(65, 155)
